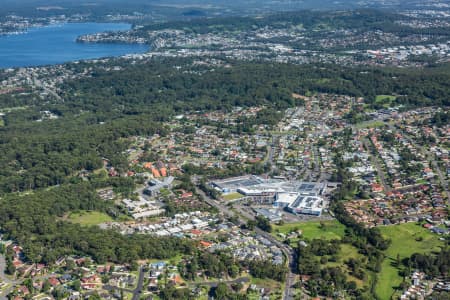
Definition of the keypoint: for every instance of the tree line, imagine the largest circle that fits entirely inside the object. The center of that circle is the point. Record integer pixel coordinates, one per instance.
(36, 222)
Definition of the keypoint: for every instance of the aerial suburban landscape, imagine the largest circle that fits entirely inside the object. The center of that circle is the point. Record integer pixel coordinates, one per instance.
(224, 149)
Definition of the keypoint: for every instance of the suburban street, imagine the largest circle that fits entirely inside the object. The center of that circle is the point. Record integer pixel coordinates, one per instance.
(376, 163)
(42, 85)
(138, 291)
(434, 164)
(5, 279)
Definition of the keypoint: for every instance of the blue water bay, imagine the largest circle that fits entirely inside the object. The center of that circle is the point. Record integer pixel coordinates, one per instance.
(57, 44)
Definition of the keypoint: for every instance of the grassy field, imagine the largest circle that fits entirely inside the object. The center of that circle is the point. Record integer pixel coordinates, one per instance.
(89, 218)
(385, 100)
(370, 124)
(269, 283)
(379, 98)
(407, 239)
(347, 251)
(330, 230)
(10, 109)
(323, 80)
(275, 286)
(174, 260)
(232, 196)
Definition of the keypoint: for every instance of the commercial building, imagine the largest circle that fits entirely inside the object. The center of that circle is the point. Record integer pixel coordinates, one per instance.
(156, 185)
(295, 196)
(274, 215)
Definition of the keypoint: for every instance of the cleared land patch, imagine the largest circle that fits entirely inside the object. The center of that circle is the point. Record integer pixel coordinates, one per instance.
(407, 239)
(89, 218)
(232, 196)
(313, 230)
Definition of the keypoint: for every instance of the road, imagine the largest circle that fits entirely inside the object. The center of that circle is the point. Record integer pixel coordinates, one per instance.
(376, 163)
(442, 180)
(272, 150)
(318, 172)
(434, 164)
(2, 270)
(39, 83)
(138, 291)
(287, 251)
(5, 279)
(290, 280)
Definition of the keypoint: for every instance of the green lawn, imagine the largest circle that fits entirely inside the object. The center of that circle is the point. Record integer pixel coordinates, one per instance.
(385, 100)
(347, 251)
(323, 80)
(275, 286)
(404, 243)
(10, 109)
(311, 230)
(4, 286)
(174, 260)
(373, 124)
(269, 283)
(232, 196)
(421, 181)
(382, 97)
(164, 192)
(88, 218)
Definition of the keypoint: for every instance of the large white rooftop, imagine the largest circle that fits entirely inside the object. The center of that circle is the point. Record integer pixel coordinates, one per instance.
(251, 184)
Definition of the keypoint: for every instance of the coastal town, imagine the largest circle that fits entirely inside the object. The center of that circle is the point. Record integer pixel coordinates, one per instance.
(293, 43)
(292, 167)
(297, 41)
(294, 156)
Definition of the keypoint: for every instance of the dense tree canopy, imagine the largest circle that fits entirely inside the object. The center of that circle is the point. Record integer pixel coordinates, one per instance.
(101, 110)
(99, 113)
(36, 222)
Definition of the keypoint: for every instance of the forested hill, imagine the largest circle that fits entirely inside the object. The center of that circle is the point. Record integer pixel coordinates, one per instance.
(35, 222)
(141, 89)
(312, 21)
(309, 19)
(101, 109)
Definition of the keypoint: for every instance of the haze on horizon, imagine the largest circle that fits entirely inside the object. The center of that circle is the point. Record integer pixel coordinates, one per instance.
(201, 7)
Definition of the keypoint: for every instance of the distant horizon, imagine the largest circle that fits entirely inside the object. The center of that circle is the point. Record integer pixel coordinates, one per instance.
(174, 8)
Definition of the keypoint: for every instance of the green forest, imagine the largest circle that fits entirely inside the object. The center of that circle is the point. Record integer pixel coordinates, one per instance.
(40, 160)
(101, 111)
